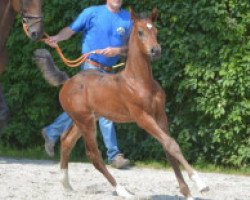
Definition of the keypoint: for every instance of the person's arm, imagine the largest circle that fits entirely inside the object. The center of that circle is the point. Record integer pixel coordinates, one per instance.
(64, 34)
(114, 51)
(81, 23)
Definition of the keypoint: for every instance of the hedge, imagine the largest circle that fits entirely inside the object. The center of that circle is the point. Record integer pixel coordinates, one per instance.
(204, 70)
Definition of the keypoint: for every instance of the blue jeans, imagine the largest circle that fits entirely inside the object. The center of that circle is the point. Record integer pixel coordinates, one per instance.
(63, 122)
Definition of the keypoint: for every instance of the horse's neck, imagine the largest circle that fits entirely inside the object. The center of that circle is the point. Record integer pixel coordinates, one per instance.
(7, 16)
(137, 64)
(16, 4)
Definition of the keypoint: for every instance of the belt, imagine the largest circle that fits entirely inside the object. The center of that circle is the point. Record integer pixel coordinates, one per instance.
(96, 64)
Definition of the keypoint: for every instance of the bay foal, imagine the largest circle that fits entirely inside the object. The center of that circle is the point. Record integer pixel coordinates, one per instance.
(131, 95)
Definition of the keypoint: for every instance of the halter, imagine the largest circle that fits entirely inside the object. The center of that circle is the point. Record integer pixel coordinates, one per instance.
(26, 17)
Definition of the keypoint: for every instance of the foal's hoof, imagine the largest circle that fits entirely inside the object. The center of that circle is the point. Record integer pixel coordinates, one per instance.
(121, 191)
(201, 185)
(190, 198)
(67, 186)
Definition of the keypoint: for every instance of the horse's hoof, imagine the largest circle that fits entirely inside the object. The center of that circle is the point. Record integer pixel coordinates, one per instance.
(190, 198)
(121, 191)
(67, 186)
(201, 185)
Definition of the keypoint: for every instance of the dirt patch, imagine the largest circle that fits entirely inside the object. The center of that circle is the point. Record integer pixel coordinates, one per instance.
(39, 179)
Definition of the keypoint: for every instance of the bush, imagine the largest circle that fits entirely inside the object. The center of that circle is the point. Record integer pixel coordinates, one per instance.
(204, 70)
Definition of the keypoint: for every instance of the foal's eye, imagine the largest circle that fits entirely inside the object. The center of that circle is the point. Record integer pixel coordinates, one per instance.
(140, 33)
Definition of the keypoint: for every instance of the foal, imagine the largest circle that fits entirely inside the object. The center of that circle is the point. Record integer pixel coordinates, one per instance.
(131, 95)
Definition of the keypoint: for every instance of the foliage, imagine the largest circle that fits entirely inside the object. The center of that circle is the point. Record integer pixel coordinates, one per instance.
(204, 70)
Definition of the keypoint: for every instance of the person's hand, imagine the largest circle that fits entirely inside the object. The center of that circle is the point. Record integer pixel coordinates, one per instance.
(52, 41)
(110, 51)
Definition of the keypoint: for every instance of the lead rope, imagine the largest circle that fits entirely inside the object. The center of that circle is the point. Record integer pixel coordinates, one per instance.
(71, 63)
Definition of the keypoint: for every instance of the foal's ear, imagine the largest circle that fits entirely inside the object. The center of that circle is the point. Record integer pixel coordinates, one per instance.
(154, 14)
(132, 14)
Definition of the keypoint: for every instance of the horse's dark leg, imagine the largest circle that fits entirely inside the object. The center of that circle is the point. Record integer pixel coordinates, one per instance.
(68, 141)
(88, 130)
(170, 146)
(7, 17)
(162, 121)
(3, 59)
(4, 112)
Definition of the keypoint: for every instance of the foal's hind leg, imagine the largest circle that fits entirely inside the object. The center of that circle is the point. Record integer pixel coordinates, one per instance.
(68, 141)
(88, 130)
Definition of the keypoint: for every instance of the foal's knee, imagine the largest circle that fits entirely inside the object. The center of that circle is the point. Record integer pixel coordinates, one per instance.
(171, 146)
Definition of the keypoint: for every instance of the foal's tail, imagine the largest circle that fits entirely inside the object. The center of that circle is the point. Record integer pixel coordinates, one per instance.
(50, 71)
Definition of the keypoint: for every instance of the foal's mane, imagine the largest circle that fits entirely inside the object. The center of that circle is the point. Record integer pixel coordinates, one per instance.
(142, 15)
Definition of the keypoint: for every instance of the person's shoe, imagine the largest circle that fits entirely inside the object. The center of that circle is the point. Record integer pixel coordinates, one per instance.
(49, 144)
(120, 162)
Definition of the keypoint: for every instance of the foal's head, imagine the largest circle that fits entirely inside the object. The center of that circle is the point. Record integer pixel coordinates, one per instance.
(146, 34)
(31, 11)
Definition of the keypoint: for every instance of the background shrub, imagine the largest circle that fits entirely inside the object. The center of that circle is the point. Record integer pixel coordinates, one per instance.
(204, 70)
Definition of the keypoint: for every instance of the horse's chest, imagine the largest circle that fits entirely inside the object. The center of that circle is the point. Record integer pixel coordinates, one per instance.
(145, 99)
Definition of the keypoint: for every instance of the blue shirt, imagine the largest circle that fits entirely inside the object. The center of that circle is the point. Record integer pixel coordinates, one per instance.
(102, 28)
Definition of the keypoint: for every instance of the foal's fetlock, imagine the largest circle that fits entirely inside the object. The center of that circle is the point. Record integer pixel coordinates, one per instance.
(190, 198)
(121, 191)
(65, 180)
(185, 191)
(201, 185)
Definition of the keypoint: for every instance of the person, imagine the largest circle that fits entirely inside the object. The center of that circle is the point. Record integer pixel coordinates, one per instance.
(106, 28)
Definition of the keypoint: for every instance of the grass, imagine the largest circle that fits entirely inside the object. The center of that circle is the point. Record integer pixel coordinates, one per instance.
(38, 153)
(202, 167)
(34, 153)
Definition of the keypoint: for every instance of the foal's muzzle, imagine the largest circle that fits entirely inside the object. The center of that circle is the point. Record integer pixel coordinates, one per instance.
(155, 52)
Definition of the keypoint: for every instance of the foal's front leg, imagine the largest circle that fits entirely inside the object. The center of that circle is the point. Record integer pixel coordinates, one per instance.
(148, 123)
(162, 121)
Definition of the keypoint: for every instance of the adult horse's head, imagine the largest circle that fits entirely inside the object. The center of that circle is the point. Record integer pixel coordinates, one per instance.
(31, 11)
(146, 34)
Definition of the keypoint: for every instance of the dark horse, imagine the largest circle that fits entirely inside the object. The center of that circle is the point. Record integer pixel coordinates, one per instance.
(31, 12)
(131, 95)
